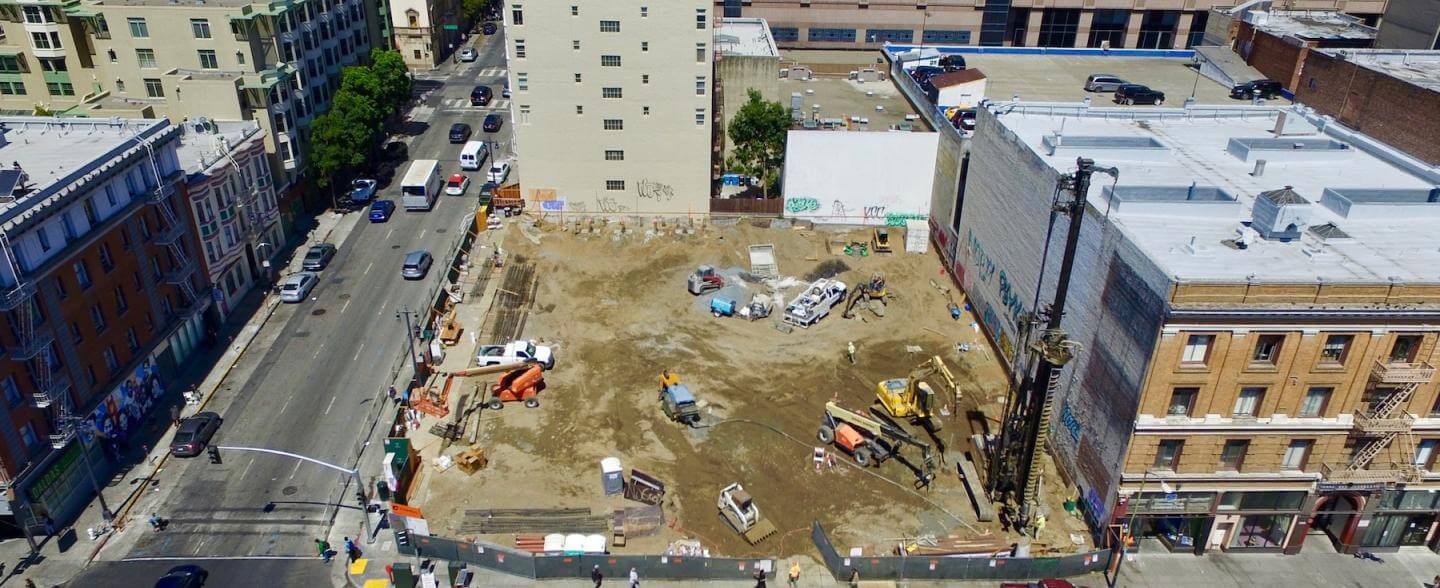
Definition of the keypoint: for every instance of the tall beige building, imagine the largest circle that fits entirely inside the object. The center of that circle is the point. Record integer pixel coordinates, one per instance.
(612, 104)
(425, 31)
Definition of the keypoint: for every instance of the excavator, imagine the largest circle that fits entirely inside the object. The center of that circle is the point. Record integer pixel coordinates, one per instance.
(873, 293)
(871, 441)
(912, 398)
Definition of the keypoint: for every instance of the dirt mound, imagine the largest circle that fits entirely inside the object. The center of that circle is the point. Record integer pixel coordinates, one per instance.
(827, 269)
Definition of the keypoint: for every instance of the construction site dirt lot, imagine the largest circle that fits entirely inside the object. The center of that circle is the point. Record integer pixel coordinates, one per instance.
(614, 307)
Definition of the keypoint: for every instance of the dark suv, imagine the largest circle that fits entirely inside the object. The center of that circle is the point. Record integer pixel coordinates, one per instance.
(480, 96)
(1262, 88)
(1138, 94)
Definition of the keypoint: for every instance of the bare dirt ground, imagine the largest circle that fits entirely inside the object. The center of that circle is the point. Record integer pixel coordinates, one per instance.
(615, 308)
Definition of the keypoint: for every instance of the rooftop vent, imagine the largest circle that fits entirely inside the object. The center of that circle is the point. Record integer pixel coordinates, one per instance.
(1388, 203)
(1329, 232)
(1281, 215)
(1288, 149)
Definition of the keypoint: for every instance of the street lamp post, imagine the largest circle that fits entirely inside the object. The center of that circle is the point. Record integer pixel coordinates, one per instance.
(405, 313)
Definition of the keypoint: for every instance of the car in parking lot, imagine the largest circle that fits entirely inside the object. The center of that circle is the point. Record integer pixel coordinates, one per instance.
(1138, 94)
(492, 123)
(489, 28)
(499, 172)
(952, 62)
(921, 73)
(194, 434)
(459, 133)
(298, 286)
(380, 210)
(480, 96)
(417, 264)
(1261, 88)
(186, 576)
(457, 184)
(318, 256)
(468, 54)
(362, 190)
(1103, 83)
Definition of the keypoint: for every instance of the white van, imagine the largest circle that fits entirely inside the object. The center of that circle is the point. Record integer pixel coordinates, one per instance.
(473, 155)
(421, 185)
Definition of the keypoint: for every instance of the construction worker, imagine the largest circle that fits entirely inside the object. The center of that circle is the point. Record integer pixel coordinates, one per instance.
(850, 352)
(794, 574)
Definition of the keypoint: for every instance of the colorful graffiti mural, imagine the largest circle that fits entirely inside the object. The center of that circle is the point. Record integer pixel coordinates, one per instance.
(125, 406)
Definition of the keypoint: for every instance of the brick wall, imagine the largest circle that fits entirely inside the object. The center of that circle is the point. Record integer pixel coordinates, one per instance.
(1391, 110)
(1276, 57)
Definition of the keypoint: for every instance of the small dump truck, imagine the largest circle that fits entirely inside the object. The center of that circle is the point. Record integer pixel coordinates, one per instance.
(522, 351)
(677, 401)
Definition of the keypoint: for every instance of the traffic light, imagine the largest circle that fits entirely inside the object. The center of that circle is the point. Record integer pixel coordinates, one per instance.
(214, 453)
(402, 538)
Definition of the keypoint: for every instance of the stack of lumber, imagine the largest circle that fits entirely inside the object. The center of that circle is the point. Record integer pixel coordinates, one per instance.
(533, 520)
(954, 545)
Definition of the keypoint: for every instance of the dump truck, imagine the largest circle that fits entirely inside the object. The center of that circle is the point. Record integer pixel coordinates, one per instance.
(740, 511)
(677, 401)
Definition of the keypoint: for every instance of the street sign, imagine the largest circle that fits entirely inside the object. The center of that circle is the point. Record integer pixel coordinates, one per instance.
(451, 27)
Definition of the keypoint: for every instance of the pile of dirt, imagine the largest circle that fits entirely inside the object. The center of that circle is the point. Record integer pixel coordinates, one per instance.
(827, 269)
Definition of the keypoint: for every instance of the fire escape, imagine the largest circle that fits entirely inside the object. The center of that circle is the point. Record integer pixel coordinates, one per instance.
(33, 344)
(171, 236)
(1385, 424)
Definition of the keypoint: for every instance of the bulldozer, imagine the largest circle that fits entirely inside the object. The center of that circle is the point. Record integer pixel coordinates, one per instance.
(912, 398)
(740, 512)
(872, 293)
(704, 279)
(871, 441)
(520, 384)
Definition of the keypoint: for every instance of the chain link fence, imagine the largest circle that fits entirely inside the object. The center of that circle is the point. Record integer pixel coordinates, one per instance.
(527, 565)
(954, 568)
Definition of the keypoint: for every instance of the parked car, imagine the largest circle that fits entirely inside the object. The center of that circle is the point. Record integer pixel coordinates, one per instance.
(187, 576)
(457, 184)
(362, 190)
(505, 90)
(480, 96)
(1261, 88)
(459, 133)
(492, 123)
(380, 210)
(499, 172)
(298, 286)
(1103, 83)
(489, 28)
(952, 62)
(468, 54)
(194, 434)
(417, 264)
(318, 257)
(487, 192)
(921, 73)
(1138, 94)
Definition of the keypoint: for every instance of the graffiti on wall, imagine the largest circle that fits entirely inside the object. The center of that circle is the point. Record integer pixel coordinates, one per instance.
(552, 205)
(799, 205)
(608, 205)
(897, 219)
(985, 270)
(653, 190)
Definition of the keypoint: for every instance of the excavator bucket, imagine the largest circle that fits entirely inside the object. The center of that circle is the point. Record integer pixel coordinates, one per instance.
(760, 531)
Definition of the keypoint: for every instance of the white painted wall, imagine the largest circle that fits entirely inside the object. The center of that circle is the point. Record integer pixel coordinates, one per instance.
(859, 178)
(965, 95)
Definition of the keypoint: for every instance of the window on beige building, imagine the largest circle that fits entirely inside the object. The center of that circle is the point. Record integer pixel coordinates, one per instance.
(1425, 454)
(699, 53)
(208, 59)
(1296, 454)
(644, 78)
(1197, 349)
(1247, 404)
(1267, 349)
(153, 88)
(615, 185)
(145, 58)
(200, 28)
(517, 15)
(1336, 348)
(138, 28)
(644, 46)
(614, 124)
(575, 44)
(1167, 454)
(1182, 401)
(1405, 349)
(609, 26)
(614, 155)
(519, 48)
(1232, 456)
(413, 18)
(612, 93)
(609, 61)
(1315, 401)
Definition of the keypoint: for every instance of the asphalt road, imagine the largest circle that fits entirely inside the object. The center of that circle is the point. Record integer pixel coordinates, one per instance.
(223, 573)
(309, 382)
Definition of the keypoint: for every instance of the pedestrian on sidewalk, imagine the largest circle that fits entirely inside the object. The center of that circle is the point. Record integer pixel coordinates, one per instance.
(323, 547)
(393, 394)
(854, 578)
(596, 576)
(351, 550)
(634, 578)
(794, 574)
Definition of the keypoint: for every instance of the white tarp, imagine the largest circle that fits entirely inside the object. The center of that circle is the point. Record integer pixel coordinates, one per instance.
(859, 178)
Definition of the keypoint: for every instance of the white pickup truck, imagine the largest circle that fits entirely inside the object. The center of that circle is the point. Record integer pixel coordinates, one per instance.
(515, 351)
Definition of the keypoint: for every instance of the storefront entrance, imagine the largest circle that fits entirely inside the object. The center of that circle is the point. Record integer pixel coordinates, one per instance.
(1403, 519)
(1336, 518)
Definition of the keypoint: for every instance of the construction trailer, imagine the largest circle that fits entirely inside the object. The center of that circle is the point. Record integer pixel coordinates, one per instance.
(815, 302)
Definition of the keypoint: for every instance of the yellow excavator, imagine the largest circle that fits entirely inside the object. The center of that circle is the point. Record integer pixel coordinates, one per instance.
(872, 293)
(912, 398)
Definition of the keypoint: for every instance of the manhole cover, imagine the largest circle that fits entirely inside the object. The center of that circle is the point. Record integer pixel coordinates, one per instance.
(394, 246)
(442, 231)
(289, 490)
(344, 296)
(317, 312)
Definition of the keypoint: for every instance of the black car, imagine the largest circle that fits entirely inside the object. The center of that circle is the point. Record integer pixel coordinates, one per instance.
(488, 28)
(491, 124)
(923, 72)
(1262, 88)
(190, 576)
(459, 133)
(318, 257)
(480, 96)
(952, 62)
(1138, 94)
(194, 434)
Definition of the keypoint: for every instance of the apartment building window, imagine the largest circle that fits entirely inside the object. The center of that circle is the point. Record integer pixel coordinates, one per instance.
(644, 46)
(1296, 454)
(522, 82)
(1267, 349)
(615, 185)
(145, 58)
(1425, 453)
(644, 79)
(10, 64)
(1315, 401)
(644, 12)
(60, 88)
(200, 28)
(1197, 349)
(46, 40)
(27, 434)
(208, 60)
(700, 19)
(60, 288)
(614, 124)
(1247, 404)
(699, 53)
(12, 391)
(614, 155)
(75, 333)
(574, 10)
(609, 61)
(1405, 349)
(517, 15)
(36, 15)
(519, 48)
(107, 262)
(575, 44)
(12, 89)
(609, 26)
(611, 93)
(53, 64)
(131, 340)
(700, 117)
(82, 275)
(97, 317)
(831, 35)
(121, 304)
(153, 88)
(240, 57)
(1182, 401)
(111, 362)
(138, 28)
(645, 111)
(579, 109)
(578, 77)
(889, 35)
(699, 85)
(1336, 348)
(524, 114)
(787, 34)
(1167, 454)
(1232, 456)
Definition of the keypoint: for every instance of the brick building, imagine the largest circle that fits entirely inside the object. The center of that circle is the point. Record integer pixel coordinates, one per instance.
(1255, 302)
(102, 301)
(1276, 42)
(1392, 96)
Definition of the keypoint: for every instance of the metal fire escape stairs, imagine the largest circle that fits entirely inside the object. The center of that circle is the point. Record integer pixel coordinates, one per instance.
(171, 235)
(1385, 425)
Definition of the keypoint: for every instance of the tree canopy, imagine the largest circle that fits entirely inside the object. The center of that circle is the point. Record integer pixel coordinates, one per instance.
(758, 133)
(341, 138)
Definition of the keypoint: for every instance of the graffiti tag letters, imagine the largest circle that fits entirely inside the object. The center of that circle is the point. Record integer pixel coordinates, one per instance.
(797, 205)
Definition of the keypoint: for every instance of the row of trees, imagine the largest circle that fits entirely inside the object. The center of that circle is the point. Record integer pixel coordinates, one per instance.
(343, 137)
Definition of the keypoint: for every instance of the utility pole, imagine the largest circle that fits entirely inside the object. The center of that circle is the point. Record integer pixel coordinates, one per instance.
(405, 313)
(1015, 457)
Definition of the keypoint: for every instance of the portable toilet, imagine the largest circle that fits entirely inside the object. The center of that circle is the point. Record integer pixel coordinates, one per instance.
(594, 544)
(611, 475)
(574, 544)
(554, 543)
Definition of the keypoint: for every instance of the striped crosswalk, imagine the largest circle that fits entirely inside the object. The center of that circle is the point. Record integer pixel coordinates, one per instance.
(463, 105)
(491, 72)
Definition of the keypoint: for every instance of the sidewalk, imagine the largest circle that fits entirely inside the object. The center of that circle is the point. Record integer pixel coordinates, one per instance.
(63, 556)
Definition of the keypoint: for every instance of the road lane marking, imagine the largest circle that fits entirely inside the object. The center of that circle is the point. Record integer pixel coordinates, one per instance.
(344, 306)
(198, 546)
(422, 234)
(317, 351)
(388, 234)
(296, 470)
(287, 403)
(332, 405)
(357, 352)
(247, 468)
(367, 268)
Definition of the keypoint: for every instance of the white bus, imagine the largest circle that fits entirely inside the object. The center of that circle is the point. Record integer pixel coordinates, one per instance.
(421, 185)
(473, 155)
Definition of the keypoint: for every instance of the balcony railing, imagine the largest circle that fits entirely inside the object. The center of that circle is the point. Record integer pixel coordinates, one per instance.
(39, 341)
(180, 273)
(169, 234)
(1381, 426)
(16, 296)
(1339, 473)
(1402, 373)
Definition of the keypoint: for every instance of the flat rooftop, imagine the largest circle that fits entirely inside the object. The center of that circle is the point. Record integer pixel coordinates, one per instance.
(1187, 182)
(1421, 68)
(1312, 25)
(202, 144)
(746, 37)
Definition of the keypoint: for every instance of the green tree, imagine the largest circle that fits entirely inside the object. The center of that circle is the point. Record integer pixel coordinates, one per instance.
(473, 8)
(340, 138)
(758, 133)
(394, 78)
